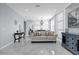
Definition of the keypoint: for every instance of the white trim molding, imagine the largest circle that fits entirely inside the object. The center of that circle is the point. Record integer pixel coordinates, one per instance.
(6, 45)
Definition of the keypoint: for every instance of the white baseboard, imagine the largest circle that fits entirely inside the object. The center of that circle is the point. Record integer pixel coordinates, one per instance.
(6, 45)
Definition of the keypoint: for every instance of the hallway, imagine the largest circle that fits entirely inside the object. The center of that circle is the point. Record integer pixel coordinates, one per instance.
(43, 22)
(25, 47)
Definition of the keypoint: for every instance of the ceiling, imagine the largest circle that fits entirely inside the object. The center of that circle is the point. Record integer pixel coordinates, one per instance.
(37, 11)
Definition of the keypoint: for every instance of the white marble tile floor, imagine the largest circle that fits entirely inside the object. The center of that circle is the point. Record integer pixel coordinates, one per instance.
(25, 47)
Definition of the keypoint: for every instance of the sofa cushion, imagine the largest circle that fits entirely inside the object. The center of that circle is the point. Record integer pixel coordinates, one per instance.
(43, 33)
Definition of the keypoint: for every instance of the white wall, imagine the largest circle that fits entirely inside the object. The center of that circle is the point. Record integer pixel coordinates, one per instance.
(59, 24)
(7, 25)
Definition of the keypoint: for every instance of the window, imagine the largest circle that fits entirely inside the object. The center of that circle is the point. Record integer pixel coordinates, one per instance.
(52, 24)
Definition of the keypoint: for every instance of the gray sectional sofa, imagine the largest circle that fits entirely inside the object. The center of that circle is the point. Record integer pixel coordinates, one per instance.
(43, 36)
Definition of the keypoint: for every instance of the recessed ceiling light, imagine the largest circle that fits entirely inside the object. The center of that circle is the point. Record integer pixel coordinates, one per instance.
(37, 5)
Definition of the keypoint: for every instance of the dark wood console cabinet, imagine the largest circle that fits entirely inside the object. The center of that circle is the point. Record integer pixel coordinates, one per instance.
(71, 42)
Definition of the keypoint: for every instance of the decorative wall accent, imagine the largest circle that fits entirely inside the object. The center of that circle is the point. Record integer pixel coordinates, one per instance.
(41, 23)
(73, 19)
